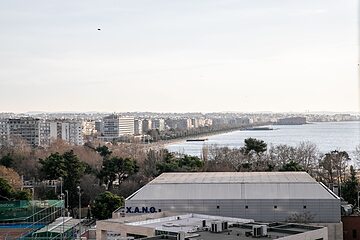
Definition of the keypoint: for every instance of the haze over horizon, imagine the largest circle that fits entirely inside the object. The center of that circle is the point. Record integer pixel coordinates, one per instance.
(179, 56)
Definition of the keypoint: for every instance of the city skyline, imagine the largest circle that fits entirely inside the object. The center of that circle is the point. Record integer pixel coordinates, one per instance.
(179, 56)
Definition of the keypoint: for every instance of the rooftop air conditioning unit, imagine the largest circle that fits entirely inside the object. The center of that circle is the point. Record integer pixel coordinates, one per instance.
(263, 230)
(180, 236)
(224, 225)
(216, 227)
(259, 231)
(256, 230)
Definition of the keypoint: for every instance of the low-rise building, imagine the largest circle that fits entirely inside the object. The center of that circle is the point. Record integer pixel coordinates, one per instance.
(167, 225)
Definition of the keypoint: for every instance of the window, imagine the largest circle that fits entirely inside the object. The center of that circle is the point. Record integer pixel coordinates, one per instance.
(246, 207)
(275, 207)
(354, 233)
(218, 207)
(304, 207)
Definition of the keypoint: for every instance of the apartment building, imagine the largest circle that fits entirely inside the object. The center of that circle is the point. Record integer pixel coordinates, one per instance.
(116, 126)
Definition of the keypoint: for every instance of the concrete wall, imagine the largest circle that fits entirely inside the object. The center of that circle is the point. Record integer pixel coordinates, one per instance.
(335, 230)
(321, 210)
(315, 234)
(102, 227)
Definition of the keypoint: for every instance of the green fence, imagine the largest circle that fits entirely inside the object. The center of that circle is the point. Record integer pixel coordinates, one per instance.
(28, 215)
(22, 211)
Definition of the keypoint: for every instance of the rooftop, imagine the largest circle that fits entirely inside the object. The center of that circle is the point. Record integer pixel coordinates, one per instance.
(170, 224)
(234, 177)
(233, 185)
(60, 225)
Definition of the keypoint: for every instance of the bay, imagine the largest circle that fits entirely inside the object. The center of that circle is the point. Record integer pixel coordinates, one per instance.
(327, 136)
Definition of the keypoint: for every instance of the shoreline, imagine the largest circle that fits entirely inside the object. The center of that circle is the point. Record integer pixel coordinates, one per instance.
(165, 143)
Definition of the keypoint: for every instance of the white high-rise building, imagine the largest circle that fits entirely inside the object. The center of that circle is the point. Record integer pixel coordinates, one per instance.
(71, 132)
(158, 124)
(116, 126)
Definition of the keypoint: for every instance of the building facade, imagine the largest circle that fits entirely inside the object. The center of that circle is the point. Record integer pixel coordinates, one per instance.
(262, 196)
(116, 126)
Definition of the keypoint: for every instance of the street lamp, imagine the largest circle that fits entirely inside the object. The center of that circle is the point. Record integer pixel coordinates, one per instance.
(62, 206)
(67, 199)
(79, 189)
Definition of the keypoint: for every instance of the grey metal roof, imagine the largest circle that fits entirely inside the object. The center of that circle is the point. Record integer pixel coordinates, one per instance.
(234, 177)
(234, 185)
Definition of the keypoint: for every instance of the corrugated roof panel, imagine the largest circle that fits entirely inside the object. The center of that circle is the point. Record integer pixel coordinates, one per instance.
(233, 185)
(233, 191)
(233, 177)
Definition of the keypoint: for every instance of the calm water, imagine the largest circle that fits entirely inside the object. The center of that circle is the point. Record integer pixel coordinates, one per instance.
(327, 136)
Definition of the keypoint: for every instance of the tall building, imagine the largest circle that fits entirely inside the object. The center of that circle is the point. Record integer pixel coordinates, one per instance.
(26, 128)
(45, 130)
(146, 125)
(99, 127)
(194, 123)
(116, 126)
(4, 131)
(138, 127)
(88, 128)
(158, 124)
(38, 132)
(71, 132)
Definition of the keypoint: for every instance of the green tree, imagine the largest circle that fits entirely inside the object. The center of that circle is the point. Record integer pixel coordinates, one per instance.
(117, 169)
(7, 161)
(185, 163)
(105, 204)
(5, 190)
(7, 193)
(68, 167)
(349, 190)
(292, 167)
(104, 151)
(253, 144)
(190, 163)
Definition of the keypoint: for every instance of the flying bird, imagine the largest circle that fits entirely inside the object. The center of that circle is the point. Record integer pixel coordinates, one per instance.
(99, 29)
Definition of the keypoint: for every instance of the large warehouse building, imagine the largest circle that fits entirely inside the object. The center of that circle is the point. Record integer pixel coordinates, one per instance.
(262, 196)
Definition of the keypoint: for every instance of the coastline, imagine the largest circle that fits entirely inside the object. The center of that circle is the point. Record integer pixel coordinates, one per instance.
(165, 143)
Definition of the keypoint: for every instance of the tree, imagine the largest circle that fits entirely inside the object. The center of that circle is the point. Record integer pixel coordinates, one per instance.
(291, 167)
(185, 163)
(333, 166)
(105, 204)
(104, 151)
(5, 190)
(253, 144)
(349, 190)
(7, 193)
(116, 168)
(282, 154)
(307, 155)
(11, 176)
(68, 167)
(7, 161)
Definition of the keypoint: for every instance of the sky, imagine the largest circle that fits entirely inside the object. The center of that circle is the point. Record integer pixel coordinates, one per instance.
(179, 55)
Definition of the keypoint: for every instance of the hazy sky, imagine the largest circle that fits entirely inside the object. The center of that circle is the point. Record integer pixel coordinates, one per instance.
(178, 55)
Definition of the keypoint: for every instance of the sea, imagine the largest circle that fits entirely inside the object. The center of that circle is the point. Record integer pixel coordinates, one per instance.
(327, 136)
